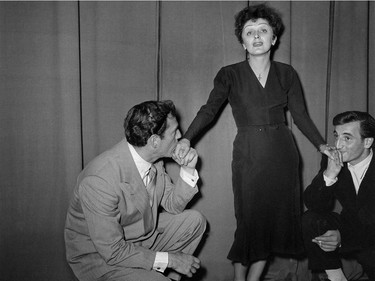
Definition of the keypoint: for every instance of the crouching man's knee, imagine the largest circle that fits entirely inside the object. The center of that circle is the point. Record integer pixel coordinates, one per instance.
(196, 221)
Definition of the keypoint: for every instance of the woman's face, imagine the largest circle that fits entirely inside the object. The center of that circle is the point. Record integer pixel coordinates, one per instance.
(258, 37)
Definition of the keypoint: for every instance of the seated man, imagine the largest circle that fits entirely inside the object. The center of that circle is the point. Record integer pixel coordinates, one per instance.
(348, 177)
(114, 228)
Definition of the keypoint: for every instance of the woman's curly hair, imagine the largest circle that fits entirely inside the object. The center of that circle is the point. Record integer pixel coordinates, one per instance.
(256, 12)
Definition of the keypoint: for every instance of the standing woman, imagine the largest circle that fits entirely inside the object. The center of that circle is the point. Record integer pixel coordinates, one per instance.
(265, 165)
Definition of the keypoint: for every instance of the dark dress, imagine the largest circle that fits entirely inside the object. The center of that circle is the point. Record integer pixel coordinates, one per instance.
(265, 165)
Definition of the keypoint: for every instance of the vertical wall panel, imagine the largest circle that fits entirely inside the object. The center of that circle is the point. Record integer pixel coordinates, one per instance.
(309, 37)
(283, 52)
(119, 66)
(371, 58)
(40, 140)
(350, 59)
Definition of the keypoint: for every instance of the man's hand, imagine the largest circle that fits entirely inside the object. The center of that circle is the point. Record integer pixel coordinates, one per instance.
(330, 151)
(183, 263)
(334, 164)
(329, 241)
(189, 161)
(181, 149)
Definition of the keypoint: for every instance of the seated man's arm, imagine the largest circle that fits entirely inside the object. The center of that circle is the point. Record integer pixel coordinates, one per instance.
(318, 196)
(177, 196)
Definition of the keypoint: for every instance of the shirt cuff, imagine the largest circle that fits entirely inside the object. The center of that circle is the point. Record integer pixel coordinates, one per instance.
(161, 261)
(329, 181)
(189, 178)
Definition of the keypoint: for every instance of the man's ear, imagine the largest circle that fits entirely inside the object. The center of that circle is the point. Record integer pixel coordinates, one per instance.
(368, 142)
(154, 141)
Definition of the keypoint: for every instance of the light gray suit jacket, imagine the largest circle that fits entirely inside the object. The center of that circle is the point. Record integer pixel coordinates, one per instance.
(109, 214)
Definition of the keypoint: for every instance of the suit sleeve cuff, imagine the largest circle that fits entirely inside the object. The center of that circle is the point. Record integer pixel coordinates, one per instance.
(189, 178)
(328, 180)
(161, 261)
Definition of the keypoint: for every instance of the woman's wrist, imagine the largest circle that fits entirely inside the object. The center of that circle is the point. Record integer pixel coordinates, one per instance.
(323, 147)
(184, 140)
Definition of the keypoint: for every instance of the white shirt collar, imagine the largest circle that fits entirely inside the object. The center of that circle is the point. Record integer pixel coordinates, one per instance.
(142, 165)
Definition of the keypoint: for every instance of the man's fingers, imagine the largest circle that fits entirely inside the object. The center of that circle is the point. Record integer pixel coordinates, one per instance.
(196, 265)
(183, 263)
(182, 153)
(326, 246)
(326, 240)
(189, 157)
(340, 159)
(182, 149)
(329, 241)
(176, 159)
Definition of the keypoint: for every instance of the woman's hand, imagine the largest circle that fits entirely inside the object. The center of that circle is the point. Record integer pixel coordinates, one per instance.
(182, 149)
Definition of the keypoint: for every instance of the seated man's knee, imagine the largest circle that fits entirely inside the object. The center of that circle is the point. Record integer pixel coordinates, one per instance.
(312, 225)
(196, 219)
(309, 218)
(317, 223)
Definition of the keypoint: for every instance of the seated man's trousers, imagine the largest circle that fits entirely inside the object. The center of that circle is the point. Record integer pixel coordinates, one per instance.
(315, 224)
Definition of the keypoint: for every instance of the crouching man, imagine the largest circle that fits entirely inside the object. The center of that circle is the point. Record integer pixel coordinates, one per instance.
(114, 227)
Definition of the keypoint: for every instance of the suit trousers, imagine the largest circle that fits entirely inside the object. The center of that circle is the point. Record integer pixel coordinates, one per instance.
(175, 233)
(315, 224)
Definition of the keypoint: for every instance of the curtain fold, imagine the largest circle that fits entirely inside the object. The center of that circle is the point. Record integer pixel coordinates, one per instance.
(119, 67)
(40, 135)
(371, 58)
(70, 71)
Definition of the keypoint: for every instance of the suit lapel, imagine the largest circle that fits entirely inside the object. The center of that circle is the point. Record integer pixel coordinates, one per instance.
(347, 181)
(134, 185)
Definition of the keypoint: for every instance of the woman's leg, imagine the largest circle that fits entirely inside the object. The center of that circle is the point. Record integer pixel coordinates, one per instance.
(240, 271)
(256, 270)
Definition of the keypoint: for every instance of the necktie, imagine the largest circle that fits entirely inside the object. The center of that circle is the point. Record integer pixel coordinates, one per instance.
(150, 183)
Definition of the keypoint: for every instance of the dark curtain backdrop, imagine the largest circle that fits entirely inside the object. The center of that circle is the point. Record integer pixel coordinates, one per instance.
(69, 72)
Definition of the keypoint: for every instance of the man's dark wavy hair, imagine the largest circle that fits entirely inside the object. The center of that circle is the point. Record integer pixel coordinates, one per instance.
(367, 122)
(147, 119)
(255, 12)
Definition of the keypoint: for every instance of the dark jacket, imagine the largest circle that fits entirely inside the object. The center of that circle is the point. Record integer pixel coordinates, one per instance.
(358, 210)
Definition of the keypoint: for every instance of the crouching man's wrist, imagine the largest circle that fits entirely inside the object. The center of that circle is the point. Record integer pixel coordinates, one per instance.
(161, 261)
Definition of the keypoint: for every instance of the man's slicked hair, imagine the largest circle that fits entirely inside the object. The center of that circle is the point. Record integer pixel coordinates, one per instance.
(147, 119)
(366, 121)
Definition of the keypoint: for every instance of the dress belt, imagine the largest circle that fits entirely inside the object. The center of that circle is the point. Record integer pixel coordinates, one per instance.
(261, 128)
